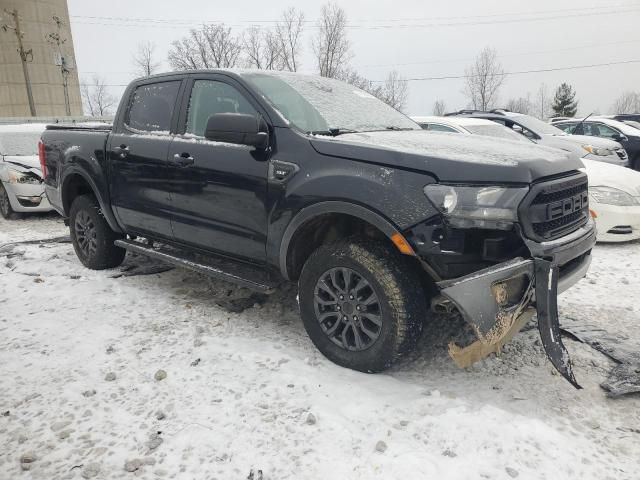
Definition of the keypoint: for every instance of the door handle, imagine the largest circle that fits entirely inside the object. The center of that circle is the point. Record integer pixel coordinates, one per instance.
(122, 150)
(183, 159)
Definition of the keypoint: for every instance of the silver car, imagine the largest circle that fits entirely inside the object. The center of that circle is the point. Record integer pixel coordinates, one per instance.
(590, 148)
(21, 185)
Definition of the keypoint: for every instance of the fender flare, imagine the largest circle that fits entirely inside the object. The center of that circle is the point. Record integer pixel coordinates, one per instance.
(104, 207)
(317, 209)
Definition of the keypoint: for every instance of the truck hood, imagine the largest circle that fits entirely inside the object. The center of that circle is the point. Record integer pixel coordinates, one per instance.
(30, 162)
(451, 157)
(606, 175)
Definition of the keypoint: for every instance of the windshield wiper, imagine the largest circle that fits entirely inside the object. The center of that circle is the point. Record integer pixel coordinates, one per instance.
(333, 132)
(398, 129)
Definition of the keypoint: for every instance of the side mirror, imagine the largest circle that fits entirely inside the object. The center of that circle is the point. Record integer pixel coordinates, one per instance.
(238, 128)
(618, 137)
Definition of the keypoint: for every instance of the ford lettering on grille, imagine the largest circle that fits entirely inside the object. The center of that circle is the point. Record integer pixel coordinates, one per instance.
(567, 206)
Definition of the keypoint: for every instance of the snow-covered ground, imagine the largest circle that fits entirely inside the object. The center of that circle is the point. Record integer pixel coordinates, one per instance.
(79, 351)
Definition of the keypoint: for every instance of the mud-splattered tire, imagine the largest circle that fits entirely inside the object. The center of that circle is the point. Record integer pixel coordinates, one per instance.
(336, 286)
(5, 206)
(91, 235)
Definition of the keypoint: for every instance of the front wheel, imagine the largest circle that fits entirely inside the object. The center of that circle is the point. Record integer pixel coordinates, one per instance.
(361, 303)
(5, 205)
(92, 236)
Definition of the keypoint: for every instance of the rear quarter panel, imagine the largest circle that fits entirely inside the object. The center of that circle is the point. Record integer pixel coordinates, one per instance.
(75, 152)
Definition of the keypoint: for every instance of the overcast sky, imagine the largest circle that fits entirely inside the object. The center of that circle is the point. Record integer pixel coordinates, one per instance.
(417, 38)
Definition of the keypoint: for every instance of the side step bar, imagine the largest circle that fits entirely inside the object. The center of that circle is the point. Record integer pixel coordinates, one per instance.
(239, 273)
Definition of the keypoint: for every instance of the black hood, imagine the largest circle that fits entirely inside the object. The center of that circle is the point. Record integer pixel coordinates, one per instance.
(452, 157)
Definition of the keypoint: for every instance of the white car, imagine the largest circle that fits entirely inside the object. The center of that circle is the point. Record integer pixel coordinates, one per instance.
(614, 201)
(21, 185)
(468, 126)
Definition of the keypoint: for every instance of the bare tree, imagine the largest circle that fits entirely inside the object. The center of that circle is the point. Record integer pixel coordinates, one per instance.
(212, 46)
(484, 79)
(628, 102)
(520, 105)
(439, 108)
(262, 49)
(288, 32)
(144, 60)
(331, 46)
(190, 52)
(97, 100)
(543, 102)
(395, 91)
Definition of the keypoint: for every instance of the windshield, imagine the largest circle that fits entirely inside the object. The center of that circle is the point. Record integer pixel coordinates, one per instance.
(318, 104)
(19, 143)
(496, 131)
(536, 126)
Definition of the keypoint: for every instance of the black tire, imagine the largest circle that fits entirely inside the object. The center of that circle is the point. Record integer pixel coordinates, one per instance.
(401, 304)
(5, 206)
(91, 235)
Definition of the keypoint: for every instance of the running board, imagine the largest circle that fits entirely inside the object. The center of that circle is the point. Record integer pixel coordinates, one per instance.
(245, 275)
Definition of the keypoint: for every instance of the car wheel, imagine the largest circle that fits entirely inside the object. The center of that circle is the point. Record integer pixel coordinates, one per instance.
(5, 206)
(91, 235)
(362, 304)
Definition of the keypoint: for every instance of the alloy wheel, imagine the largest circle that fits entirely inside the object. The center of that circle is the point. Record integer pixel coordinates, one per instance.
(348, 309)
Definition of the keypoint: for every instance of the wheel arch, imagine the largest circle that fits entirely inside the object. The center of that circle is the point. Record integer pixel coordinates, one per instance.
(318, 222)
(78, 183)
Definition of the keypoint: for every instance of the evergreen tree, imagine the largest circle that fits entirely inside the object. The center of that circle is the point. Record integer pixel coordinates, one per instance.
(564, 102)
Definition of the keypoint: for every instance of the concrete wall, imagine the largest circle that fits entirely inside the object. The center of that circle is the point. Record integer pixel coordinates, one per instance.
(46, 80)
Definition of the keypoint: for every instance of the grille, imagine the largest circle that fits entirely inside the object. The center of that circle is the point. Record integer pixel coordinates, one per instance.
(555, 208)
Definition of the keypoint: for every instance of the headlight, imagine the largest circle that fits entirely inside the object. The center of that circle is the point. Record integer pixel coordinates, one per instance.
(600, 152)
(479, 207)
(20, 177)
(612, 196)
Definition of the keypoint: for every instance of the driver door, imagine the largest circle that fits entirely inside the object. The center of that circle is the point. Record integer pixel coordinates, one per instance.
(218, 190)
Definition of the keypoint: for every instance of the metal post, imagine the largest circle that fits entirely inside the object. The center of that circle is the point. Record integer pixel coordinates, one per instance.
(24, 55)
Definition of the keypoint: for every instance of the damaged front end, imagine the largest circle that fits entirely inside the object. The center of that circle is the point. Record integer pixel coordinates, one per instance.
(498, 301)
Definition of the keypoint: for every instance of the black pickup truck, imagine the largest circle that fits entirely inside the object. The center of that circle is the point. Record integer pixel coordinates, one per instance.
(260, 177)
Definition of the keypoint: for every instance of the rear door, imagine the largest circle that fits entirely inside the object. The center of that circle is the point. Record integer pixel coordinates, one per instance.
(219, 190)
(138, 158)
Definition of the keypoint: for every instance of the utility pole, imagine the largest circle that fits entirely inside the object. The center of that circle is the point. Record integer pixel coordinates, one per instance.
(26, 56)
(56, 40)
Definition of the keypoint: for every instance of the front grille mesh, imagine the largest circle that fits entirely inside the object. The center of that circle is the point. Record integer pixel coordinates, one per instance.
(556, 208)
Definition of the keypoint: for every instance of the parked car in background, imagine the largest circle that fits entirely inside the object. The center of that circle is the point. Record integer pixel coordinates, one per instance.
(615, 201)
(623, 117)
(602, 127)
(590, 148)
(468, 126)
(21, 187)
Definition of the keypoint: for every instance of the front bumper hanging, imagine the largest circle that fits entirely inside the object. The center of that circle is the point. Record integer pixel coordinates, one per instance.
(498, 301)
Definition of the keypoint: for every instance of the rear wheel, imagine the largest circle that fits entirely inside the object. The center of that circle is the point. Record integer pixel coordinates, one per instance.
(362, 304)
(91, 235)
(5, 206)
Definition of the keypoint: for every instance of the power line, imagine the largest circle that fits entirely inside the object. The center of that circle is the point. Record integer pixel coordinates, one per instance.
(161, 23)
(456, 77)
(456, 17)
(520, 54)
(522, 72)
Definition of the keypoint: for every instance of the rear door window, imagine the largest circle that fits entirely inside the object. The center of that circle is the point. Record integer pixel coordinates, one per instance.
(600, 130)
(437, 127)
(152, 106)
